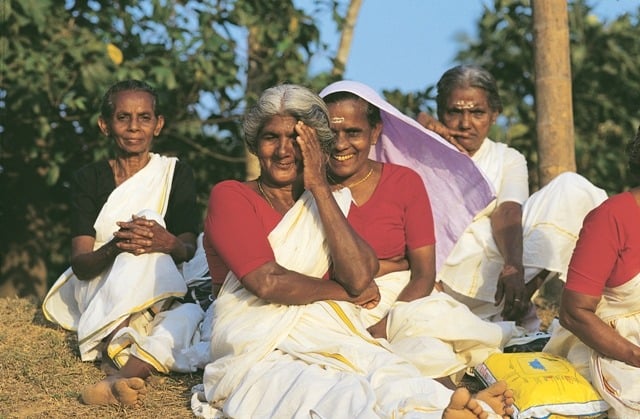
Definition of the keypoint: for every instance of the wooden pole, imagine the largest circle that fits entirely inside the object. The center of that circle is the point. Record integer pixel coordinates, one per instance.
(346, 37)
(554, 106)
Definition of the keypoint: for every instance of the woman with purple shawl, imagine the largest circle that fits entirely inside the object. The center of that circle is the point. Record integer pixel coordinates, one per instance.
(390, 209)
(457, 188)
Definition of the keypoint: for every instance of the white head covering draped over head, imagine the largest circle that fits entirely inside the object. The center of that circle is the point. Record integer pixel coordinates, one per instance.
(457, 188)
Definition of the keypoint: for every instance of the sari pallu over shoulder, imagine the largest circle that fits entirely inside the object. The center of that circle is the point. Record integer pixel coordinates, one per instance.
(132, 284)
(315, 360)
(298, 244)
(451, 178)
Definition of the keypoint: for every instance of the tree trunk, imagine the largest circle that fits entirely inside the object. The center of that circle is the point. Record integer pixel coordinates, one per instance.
(554, 109)
(254, 90)
(346, 38)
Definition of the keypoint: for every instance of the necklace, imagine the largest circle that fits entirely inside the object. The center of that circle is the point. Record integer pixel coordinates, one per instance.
(264, 194)
(356, 183)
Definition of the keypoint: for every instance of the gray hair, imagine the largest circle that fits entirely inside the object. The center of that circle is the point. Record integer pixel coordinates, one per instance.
(107, 107)
(464, 76)
(289, 100)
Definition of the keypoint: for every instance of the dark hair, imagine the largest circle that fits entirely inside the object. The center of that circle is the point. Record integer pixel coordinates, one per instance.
(464, 76)
(107, 107)
(373, 112)
(291, 100)
(633, 152)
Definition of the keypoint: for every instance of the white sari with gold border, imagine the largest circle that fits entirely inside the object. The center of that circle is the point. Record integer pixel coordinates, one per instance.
(315, 360)
(132, 284)
(617, 382)
(551, 221)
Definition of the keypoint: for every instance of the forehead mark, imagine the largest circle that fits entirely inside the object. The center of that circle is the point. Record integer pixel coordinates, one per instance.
(464, 104)
(337, 120)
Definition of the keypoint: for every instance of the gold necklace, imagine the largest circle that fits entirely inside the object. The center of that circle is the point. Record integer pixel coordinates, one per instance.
(356, 183)
(264, 194)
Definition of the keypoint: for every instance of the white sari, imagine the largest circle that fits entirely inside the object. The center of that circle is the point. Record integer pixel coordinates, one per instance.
(418, 332)
(551, 221)
(617, 382)
(132, 284)
(315, 360)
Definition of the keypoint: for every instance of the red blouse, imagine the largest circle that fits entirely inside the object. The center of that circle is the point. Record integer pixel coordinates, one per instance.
(398, 215)
(236, 227)
(607, 253)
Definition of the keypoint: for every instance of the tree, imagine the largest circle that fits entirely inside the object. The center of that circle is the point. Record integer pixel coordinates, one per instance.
(554, 108)
(57, 62)
(605, 79)
(348, 26)
(272, 57)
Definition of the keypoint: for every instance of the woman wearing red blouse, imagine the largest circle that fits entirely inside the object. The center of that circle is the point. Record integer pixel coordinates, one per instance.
(391, 210)
(601, 301)
(288, 339)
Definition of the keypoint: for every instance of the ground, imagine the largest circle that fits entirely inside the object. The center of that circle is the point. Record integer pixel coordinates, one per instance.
(41, 374)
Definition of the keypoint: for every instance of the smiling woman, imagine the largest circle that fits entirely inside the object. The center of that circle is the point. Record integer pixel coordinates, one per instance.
(296, 280)
(123, 266)
(288, 131)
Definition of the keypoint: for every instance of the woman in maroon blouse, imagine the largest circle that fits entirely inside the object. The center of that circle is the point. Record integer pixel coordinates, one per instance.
(600, 306)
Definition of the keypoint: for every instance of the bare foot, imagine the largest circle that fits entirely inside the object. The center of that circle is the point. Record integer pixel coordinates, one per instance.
(463, 406)
(129, 392)
(499, 397)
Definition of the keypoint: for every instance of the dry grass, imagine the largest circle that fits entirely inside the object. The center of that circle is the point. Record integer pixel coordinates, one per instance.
(41, 374)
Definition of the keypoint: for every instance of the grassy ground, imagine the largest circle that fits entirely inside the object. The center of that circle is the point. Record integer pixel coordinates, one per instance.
(41, 374)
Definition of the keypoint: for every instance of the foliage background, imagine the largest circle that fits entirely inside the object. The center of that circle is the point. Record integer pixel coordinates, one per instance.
(209, 59)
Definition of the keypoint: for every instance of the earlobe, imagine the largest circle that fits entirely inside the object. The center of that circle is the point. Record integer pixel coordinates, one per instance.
(159, 126)
(104, 127)
(377, 132)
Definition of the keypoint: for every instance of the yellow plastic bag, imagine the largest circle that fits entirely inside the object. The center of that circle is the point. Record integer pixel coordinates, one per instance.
(544, 385)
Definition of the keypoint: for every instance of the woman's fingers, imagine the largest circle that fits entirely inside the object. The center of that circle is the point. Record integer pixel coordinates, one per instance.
(313, 158)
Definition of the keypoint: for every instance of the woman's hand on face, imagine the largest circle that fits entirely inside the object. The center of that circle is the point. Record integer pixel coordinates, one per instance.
(430, 123)
(313, 158)
(141, 235)
(369, 298)
(512, 289)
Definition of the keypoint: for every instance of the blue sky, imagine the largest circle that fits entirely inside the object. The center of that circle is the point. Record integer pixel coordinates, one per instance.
(408, 44)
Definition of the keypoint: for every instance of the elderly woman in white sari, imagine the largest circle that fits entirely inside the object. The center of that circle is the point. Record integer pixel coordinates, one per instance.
(516, 237)
(287, 339)
(132, 222)
(392, 211)
(599, 328)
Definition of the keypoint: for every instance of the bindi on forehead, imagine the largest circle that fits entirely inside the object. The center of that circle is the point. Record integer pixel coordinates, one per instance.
(465, 104)
(337, 120)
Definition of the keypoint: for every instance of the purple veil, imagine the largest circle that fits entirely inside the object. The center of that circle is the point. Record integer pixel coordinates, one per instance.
(457, 189)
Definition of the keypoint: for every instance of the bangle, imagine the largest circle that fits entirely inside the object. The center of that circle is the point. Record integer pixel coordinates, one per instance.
(509, 270)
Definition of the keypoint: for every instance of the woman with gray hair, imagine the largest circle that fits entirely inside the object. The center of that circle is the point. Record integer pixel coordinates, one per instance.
(288, 339)
(518, 240)
(288, 130)
(600, 309)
